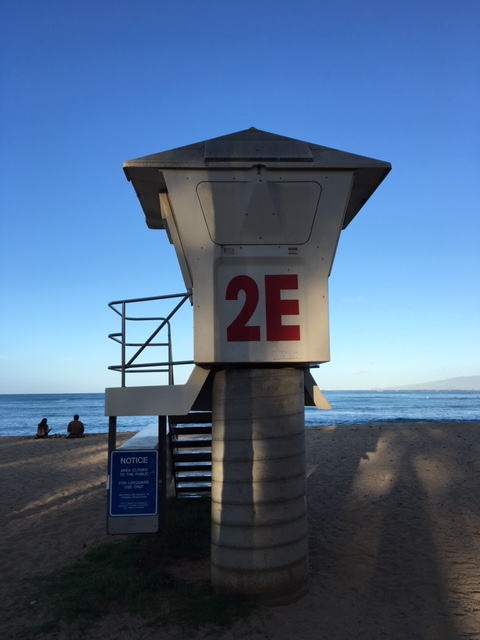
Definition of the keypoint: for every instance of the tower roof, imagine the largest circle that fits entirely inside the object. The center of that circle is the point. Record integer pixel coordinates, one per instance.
(248, 148)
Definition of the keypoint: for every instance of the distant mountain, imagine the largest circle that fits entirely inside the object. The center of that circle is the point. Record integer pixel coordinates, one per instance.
(465, 383)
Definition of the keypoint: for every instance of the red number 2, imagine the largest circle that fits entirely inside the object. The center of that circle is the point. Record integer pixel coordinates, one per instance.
(238, 330)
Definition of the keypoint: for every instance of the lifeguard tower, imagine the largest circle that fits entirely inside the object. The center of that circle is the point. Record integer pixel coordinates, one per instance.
(255, 219)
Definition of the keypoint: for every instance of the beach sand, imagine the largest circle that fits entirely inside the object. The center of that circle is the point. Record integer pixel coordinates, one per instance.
(394, 533)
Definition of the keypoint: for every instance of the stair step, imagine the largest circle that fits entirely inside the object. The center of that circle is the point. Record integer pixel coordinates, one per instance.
(193, 456)
(202, 417)
(182, 479)
(193, 493)
(187, 467)
(194, 489)
(180, 430)
(192, 443)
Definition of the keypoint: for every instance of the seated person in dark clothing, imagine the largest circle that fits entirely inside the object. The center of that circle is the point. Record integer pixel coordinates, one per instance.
(75, 428)
(43, 429)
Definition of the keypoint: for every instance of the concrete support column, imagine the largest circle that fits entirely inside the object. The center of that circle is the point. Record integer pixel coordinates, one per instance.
(259, 514)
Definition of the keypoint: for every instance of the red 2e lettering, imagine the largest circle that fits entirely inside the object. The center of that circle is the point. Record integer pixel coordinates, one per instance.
(275, 308)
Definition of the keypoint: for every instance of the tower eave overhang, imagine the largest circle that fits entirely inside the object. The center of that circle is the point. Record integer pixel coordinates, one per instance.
(245, 149)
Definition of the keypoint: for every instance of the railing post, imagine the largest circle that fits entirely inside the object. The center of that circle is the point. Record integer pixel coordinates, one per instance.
(170, 354)
(112, 437)
(124, 340)
(112, 445)
(162, 454)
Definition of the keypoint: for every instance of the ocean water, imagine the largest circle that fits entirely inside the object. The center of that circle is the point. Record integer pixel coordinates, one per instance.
(20, 414)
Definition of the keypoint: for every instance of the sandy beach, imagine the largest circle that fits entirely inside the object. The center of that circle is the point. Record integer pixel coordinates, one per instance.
(394, 533)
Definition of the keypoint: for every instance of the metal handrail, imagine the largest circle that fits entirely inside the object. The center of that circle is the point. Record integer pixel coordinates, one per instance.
(121, 338)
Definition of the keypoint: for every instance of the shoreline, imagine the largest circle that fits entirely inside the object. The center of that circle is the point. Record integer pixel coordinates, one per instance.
(64, 437)
(394, 531)
(357, 425)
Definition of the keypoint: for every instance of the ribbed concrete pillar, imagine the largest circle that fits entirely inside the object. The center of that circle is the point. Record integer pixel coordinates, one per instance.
(259, 514)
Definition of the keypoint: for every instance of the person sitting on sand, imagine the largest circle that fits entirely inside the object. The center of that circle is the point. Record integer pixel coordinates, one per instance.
(43, 429)
(75, 428)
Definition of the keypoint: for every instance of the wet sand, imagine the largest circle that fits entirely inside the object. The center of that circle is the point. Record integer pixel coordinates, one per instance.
(394, 532)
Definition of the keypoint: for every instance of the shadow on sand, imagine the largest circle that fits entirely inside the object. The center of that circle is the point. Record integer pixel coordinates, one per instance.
(389, 526)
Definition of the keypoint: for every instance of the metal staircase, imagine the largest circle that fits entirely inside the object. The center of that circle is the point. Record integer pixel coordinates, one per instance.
(190, 440)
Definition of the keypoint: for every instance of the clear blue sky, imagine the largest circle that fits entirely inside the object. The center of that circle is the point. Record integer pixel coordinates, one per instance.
(88, 85)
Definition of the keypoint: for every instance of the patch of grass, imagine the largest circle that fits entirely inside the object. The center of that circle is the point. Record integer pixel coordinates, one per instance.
(135, 576)
(201, 608)
(188, 529)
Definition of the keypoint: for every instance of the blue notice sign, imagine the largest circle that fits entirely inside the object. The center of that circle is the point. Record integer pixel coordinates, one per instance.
(134, 483)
